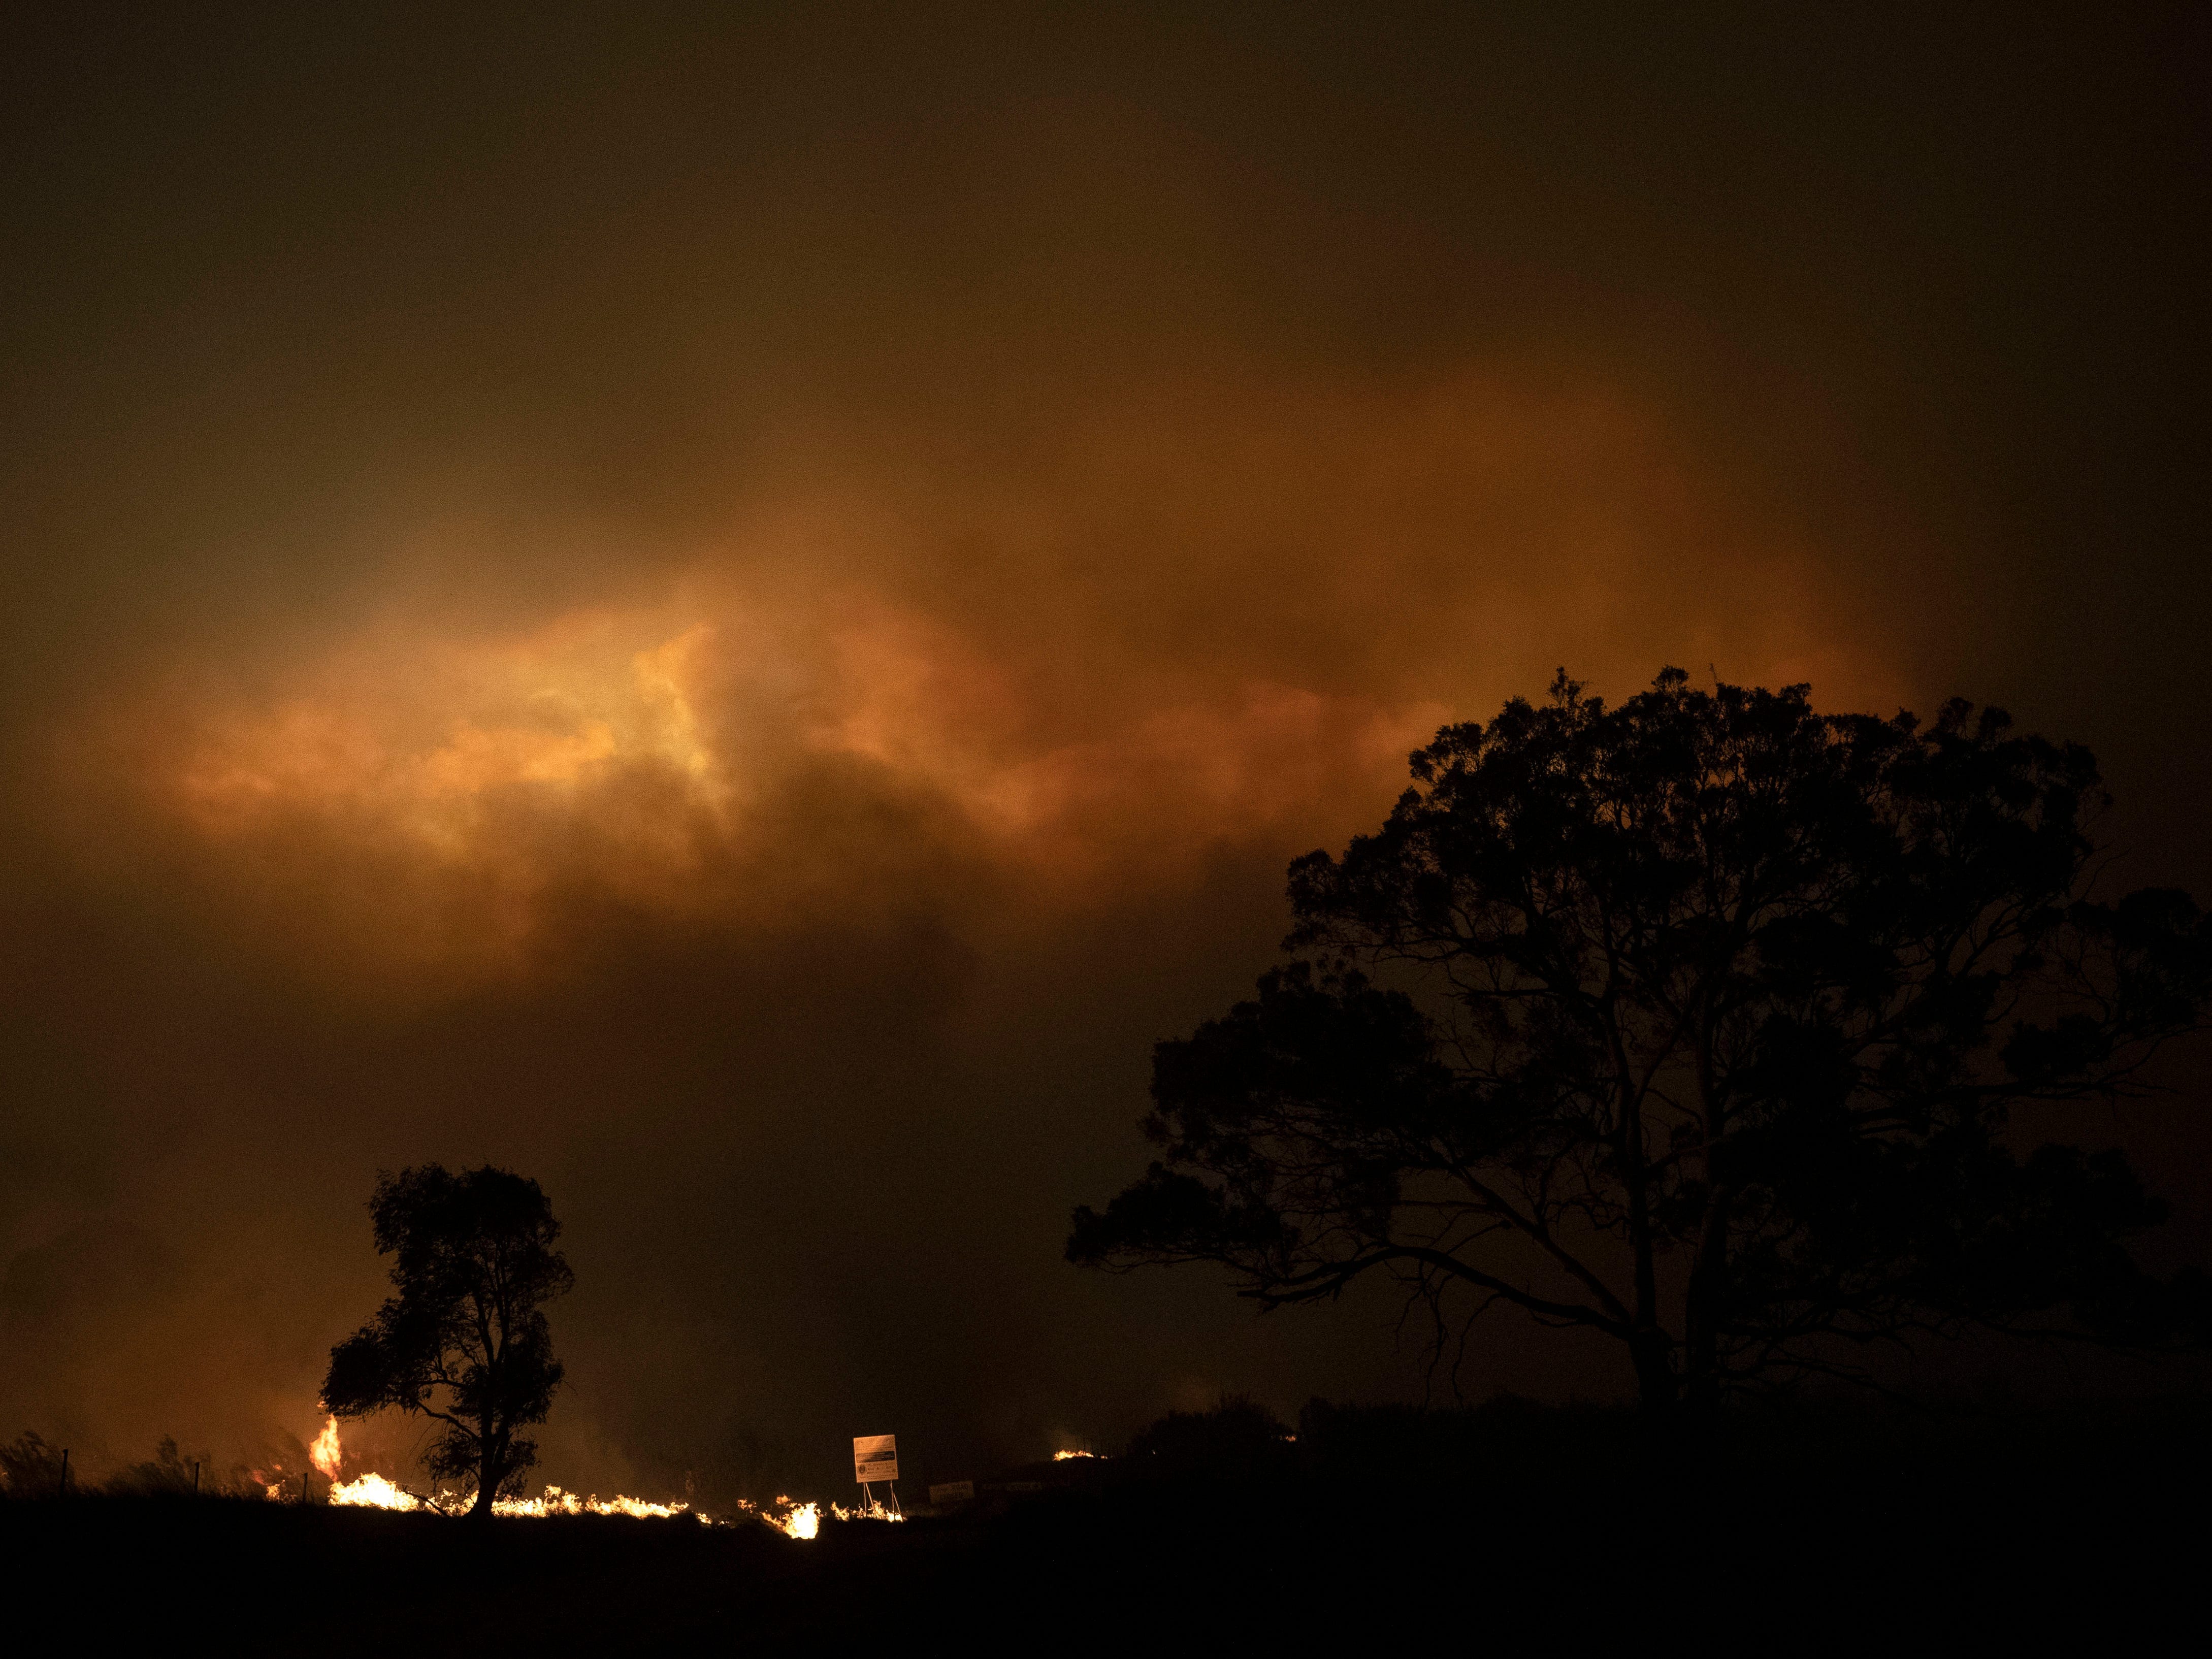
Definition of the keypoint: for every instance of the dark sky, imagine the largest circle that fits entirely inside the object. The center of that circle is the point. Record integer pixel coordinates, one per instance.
(737, 613)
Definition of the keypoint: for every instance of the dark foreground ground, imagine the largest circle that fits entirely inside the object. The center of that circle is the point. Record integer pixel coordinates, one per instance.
(1372, 1532)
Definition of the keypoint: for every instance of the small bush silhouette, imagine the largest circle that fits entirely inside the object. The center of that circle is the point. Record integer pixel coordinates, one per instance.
(29, 1467)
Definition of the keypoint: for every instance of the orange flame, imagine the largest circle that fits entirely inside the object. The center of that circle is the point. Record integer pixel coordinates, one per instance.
(325, 1452)
(373, 1492)
(803, 1523)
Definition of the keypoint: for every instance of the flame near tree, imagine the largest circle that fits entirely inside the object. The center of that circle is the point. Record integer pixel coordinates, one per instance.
(376, 1491)
(465, 1339)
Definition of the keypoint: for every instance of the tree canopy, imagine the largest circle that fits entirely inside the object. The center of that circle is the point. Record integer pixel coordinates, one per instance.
(1701, 1023)
(464, 1339)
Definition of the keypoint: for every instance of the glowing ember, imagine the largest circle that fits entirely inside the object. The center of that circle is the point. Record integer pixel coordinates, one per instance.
(325, 1452)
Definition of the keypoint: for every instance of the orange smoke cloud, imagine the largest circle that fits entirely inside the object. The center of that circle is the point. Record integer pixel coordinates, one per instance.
(1218, 617)
(422, 738)
(660, 771)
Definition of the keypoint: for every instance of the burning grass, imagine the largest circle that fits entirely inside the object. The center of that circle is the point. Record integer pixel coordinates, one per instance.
(788, 1516)
(373, 1491)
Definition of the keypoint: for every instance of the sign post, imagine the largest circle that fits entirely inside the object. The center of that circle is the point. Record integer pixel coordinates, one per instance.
(875, 1457)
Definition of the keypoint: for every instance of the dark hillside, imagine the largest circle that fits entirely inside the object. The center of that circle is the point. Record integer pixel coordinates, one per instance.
(1372, 1524)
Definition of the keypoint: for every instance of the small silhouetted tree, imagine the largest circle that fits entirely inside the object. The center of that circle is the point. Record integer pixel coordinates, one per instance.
(464, 1339)
(1696, 1023)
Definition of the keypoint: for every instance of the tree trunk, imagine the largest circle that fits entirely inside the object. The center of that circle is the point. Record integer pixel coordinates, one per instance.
(1703, 1303)
(1649, 1345)
(488, 1471)
(1705, 1308)
(1655, 1388)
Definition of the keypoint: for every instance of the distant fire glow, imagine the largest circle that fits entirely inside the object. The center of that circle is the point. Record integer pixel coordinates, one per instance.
(1062, 1456)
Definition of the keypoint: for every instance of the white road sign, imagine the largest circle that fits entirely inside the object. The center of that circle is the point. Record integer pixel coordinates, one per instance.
(875, 1457)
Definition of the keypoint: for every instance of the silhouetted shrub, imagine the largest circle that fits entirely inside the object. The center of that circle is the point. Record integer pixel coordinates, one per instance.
(29, 1467)
(170, 1475)
(1238, 1439)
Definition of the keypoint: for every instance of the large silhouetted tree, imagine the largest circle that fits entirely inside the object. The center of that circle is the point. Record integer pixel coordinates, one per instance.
(1697, 1023)
(464, 1339)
